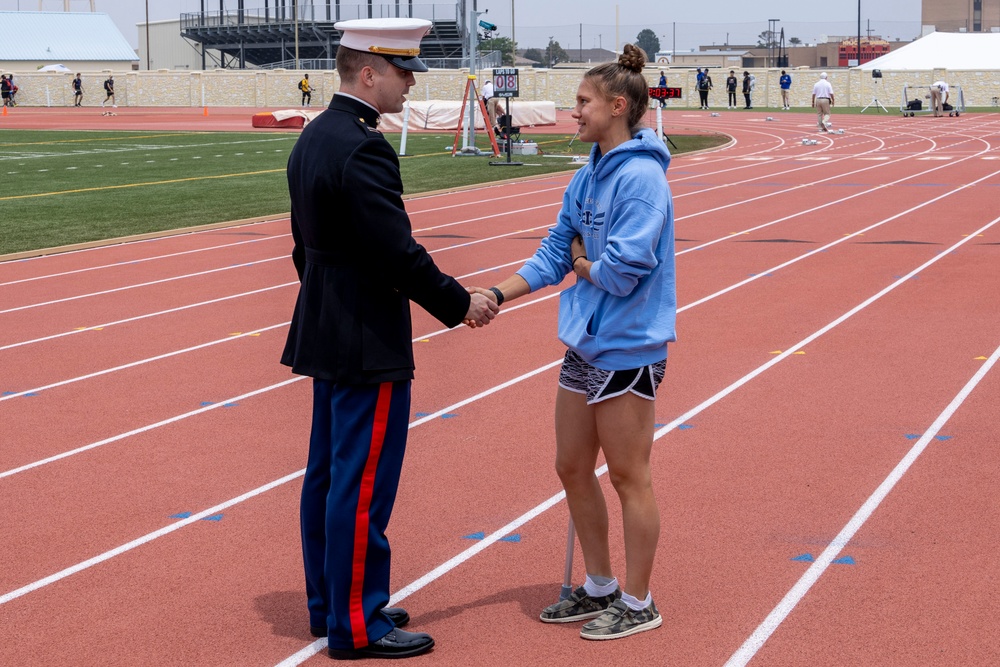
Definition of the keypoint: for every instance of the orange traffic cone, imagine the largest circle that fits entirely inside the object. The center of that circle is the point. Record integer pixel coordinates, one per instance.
(205, 111)
(5, 110)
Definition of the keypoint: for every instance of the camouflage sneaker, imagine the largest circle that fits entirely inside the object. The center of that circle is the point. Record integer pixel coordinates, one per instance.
(578, 607)
(620, 621)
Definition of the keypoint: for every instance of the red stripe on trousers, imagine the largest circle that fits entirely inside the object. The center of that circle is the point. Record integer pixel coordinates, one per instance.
(358, 623)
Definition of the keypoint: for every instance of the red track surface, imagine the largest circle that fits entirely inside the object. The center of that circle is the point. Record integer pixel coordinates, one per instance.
(835, 301)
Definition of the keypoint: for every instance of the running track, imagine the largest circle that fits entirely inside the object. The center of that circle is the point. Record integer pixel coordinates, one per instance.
(825, 464)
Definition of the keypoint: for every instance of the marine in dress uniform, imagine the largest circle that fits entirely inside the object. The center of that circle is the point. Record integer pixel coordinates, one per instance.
(359, 267)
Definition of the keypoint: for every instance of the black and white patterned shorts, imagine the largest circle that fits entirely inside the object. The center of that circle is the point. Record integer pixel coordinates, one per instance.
(580, 377)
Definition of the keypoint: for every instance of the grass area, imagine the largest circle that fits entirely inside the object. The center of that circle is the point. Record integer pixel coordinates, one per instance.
(64, 187)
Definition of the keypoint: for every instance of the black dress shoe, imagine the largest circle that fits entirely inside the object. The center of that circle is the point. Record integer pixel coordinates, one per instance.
(397, 644)
(397, 615)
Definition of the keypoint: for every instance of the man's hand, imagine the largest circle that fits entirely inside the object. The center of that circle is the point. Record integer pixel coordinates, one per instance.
(482, 308)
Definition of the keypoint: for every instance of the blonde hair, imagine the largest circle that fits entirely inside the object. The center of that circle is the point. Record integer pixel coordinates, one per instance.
(624, 78)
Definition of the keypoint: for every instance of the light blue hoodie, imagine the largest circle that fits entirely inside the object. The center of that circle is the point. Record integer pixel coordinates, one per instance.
(620, 204)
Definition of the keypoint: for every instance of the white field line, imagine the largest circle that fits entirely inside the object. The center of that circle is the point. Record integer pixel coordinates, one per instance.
(239, 336)
(140, 260)
(145, 316)
(756, 641)
(318, 645)
(41, 583)
(843, 199)
(441, 570)
(145, 284)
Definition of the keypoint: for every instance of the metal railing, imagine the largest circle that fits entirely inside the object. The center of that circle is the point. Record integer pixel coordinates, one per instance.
(317, 14)
(484, 62)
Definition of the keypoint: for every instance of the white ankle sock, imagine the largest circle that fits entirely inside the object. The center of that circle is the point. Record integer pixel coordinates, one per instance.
(636, 604)
(600, 586)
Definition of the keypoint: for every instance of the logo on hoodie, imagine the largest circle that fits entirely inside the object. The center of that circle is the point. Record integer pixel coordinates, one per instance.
(589, 218)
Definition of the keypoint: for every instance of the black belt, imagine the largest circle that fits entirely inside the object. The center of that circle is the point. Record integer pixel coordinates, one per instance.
(822, 98)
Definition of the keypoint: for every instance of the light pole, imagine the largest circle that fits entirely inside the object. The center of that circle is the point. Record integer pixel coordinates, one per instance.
(147, 36)
(772, 25)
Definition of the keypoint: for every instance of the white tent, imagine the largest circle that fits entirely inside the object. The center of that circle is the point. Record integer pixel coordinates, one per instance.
(944, 50)
(54, 68)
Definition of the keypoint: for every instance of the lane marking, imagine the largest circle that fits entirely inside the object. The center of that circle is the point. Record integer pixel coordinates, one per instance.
(146, 284)
(756, 641)
(145, 316)
(320, 644)
(141, 260)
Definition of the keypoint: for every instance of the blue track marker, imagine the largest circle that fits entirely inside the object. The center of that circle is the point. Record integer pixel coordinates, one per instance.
(845, 560)
(180, 515)
(684, 427)
(804, 558)
(474, 536)
(511, 538)
(214, 517)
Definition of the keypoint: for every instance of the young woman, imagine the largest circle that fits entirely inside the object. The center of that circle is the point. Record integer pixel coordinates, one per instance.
(615, 231)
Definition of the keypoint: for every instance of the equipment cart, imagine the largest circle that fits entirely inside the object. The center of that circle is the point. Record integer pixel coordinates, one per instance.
(922, 104)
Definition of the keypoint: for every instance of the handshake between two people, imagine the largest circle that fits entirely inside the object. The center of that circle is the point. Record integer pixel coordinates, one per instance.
(483, 307)
(485, 303)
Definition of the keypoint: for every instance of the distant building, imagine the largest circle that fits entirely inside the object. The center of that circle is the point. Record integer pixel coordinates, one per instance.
(81, 41)
(871, 48)
(960, 15)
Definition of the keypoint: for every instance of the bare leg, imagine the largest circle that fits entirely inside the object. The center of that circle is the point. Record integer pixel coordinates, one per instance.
(576, 457)
(625, 431)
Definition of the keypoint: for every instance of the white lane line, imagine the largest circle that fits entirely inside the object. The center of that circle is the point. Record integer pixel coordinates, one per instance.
(166, 530)
(146, 284)
(140, 362)
(62, 574)
(827, 204)
(112, 244)
(141, 260)
(145, 316)
(756, 641)
(148, 427)
(254, 332)
(318, 645)
(441, 570)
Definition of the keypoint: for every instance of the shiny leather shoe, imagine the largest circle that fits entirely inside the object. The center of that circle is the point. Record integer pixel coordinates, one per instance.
(397, 644)
(397, 615)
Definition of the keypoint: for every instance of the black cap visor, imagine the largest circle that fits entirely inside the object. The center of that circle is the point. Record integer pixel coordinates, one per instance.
(408, 63)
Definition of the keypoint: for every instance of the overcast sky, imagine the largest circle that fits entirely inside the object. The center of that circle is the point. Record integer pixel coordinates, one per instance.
(591, 23)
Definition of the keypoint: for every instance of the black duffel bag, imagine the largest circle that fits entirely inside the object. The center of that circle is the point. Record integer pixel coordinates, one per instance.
(914, 105)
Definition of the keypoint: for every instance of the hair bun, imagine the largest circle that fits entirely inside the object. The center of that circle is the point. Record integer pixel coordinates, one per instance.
(632, 58)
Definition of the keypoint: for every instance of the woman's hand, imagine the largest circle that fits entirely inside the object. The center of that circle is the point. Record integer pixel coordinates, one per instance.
(576, 248)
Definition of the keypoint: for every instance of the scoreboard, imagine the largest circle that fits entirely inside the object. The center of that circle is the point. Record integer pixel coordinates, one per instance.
(505, 82)
(665, 93)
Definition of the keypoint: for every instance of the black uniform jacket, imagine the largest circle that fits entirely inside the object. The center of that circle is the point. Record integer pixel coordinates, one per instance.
(357, 261)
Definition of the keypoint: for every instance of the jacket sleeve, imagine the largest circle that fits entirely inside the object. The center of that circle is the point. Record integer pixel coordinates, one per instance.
(551, 262)
(385, 242)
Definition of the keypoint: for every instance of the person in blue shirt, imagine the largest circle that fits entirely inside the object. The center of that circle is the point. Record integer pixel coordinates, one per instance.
(786, 83)
(615, 232)
(662, 83)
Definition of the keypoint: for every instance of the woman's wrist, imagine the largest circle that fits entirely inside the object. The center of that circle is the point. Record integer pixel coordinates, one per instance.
(498, 294)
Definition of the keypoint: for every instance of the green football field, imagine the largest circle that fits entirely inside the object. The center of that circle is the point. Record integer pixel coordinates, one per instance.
(66, 187)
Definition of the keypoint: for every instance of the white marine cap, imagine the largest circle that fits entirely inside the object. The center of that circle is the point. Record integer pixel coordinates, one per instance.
(822, 75)
(397, 40)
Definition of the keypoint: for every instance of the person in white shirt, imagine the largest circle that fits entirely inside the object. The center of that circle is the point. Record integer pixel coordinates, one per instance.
(939, 97)
(491, 102)
(822, 100)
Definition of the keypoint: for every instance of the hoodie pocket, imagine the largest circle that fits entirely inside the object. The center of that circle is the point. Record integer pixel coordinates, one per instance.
(577, 322)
